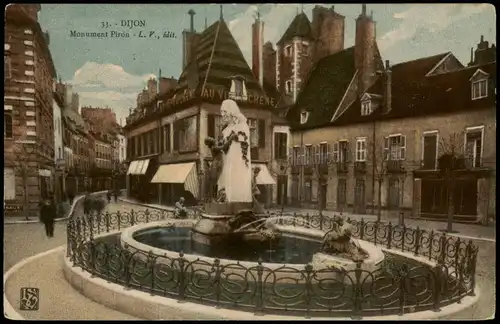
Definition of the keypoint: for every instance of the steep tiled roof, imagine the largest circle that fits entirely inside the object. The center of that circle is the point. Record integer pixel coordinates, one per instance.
(227, 61)
(300, 27)
(324, 89)
(419, 96)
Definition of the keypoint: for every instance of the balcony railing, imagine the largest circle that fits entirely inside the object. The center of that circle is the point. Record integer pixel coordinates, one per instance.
(360, 167)
(342, 167)
(394, 166)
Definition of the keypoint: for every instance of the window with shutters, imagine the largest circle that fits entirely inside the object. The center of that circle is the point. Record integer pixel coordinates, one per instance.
(9, 184)
(473, 145)
(238, 89)
(167, 138)
(280, 148)
(308, 154)
(479, 85)
(361, 149)
(429, 150)
(343, 151)
(323, 153)
(7, 125)
(296, 160)
(395, 147)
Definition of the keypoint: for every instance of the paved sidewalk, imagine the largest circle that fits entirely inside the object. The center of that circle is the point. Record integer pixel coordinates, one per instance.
(76, 204)
(58, 299)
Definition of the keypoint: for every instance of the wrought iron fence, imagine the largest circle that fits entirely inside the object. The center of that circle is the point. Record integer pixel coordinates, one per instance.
(395, 288)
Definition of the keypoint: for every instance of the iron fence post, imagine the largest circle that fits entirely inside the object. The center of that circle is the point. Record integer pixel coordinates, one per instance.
(442, 253)
(216, 267)
(106, 219)
(307, 293)
(437, 287)
(473, 272)
(361, 228)
(182, 277)
(259, 300)
(357, 292)
(119, 219)
(389, 235)
(132, 216)
(152, 264)
(431, 243)
(417, 240)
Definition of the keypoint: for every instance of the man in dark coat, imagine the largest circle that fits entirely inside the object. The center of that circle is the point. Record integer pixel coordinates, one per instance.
(47, 216)
(71, 197)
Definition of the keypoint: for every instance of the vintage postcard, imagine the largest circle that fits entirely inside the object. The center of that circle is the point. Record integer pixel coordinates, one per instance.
(249, 161)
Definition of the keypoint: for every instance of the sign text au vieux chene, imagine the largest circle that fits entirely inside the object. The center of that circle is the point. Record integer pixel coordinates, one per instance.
(220, 94)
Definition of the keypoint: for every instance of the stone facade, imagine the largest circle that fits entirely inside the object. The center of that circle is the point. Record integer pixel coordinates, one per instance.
(28, 111)
(413, 129)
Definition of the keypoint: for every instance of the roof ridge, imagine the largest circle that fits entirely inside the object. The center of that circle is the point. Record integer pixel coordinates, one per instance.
(422, 58)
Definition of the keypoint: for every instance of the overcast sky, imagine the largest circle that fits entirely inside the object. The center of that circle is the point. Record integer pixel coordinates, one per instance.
(112, 71)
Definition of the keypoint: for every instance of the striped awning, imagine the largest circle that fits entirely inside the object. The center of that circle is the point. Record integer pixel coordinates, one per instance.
(131, 168)
(138, 167)
(264, 177)
(179, 173)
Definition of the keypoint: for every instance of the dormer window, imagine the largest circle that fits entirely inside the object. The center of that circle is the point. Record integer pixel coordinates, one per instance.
(366, 108)
(288, 50)
(479, 89)
(238, 89)
(305, 49)
(479, 85)
(304, 116)
(288, 86)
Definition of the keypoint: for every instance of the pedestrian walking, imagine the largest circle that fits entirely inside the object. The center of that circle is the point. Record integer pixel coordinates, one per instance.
(115, 194)
(47, 216)
(86, 205)
(108, 195)
(71, 196)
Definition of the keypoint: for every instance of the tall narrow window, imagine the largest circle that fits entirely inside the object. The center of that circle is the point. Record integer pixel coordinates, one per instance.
(7, 126)
(474, 146)
(361, 150)
(7, 67)
(395, 147)
(429, 150)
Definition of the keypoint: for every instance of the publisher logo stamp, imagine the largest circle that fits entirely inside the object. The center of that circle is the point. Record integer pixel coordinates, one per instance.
(30, 299)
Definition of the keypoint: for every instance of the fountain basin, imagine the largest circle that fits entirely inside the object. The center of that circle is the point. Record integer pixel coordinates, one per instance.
(289, 273)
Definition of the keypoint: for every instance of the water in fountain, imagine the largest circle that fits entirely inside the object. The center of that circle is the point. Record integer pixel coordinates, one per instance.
(289, 250)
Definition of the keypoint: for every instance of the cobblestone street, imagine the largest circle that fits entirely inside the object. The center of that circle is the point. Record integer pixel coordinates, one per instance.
(25, 240)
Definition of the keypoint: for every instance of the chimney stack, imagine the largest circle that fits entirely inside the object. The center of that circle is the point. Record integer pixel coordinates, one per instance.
(189, 41)
(191, 13)
(364, 50)
(387, 87)
(257, 48)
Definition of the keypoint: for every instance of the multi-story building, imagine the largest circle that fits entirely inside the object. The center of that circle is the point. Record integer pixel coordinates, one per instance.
(77, 140)
(59, 159)
(28, 111)
(165, 137)
(383, 135)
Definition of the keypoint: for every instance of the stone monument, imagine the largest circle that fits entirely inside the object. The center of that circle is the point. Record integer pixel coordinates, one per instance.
(232, 205)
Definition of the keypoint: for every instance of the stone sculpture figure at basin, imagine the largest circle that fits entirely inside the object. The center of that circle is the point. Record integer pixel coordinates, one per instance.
(232, 207)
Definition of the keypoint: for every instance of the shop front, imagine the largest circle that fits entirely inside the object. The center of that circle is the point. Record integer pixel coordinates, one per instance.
(140, 173)
(175, 181)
